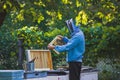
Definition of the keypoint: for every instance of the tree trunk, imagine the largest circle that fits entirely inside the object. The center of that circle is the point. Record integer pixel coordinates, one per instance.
(2, 17)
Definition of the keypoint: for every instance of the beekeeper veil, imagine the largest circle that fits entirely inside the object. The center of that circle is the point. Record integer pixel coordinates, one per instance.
(71, 27)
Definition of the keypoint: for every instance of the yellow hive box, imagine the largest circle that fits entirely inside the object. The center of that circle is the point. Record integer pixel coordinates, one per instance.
(43, 60)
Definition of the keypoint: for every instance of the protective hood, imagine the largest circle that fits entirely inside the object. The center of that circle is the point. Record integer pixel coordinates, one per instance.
(72, 27)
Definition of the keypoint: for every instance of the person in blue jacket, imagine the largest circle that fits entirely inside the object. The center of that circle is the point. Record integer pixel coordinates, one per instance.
(75, 48)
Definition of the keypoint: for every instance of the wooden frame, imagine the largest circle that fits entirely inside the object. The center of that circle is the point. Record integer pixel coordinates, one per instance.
(43, 58)
(55, 42)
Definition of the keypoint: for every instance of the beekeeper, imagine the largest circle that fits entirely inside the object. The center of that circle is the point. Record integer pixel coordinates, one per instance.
(75, 48)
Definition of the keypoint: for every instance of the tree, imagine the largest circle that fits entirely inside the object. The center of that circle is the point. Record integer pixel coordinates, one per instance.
(99, 19)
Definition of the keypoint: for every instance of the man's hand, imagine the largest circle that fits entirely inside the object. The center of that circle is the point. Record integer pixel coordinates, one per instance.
(59, 37)
(51, 47)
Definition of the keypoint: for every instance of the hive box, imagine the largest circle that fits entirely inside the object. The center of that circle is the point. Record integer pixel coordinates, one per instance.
(43, 59)
(35, 74)
(11, 74)
(57, 75)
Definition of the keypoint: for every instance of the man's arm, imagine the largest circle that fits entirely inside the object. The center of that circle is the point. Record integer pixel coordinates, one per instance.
(71, 44)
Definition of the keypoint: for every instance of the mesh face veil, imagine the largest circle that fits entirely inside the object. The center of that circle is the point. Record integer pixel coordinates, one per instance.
(69, 25)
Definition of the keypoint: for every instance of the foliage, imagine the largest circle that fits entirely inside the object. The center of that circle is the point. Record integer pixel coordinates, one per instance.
(31, 35)
(108, 70)
(8, 49)
(103, 41)
(39, 21)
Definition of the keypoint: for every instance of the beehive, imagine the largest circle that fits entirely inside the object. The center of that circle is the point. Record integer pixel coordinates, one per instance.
(42, 58)
(11, 74)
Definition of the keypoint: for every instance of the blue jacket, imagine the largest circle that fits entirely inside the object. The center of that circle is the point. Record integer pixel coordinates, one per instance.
(75, 46)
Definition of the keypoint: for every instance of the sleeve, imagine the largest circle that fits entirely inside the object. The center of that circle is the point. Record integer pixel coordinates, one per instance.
(65, 39)
(71, 44)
